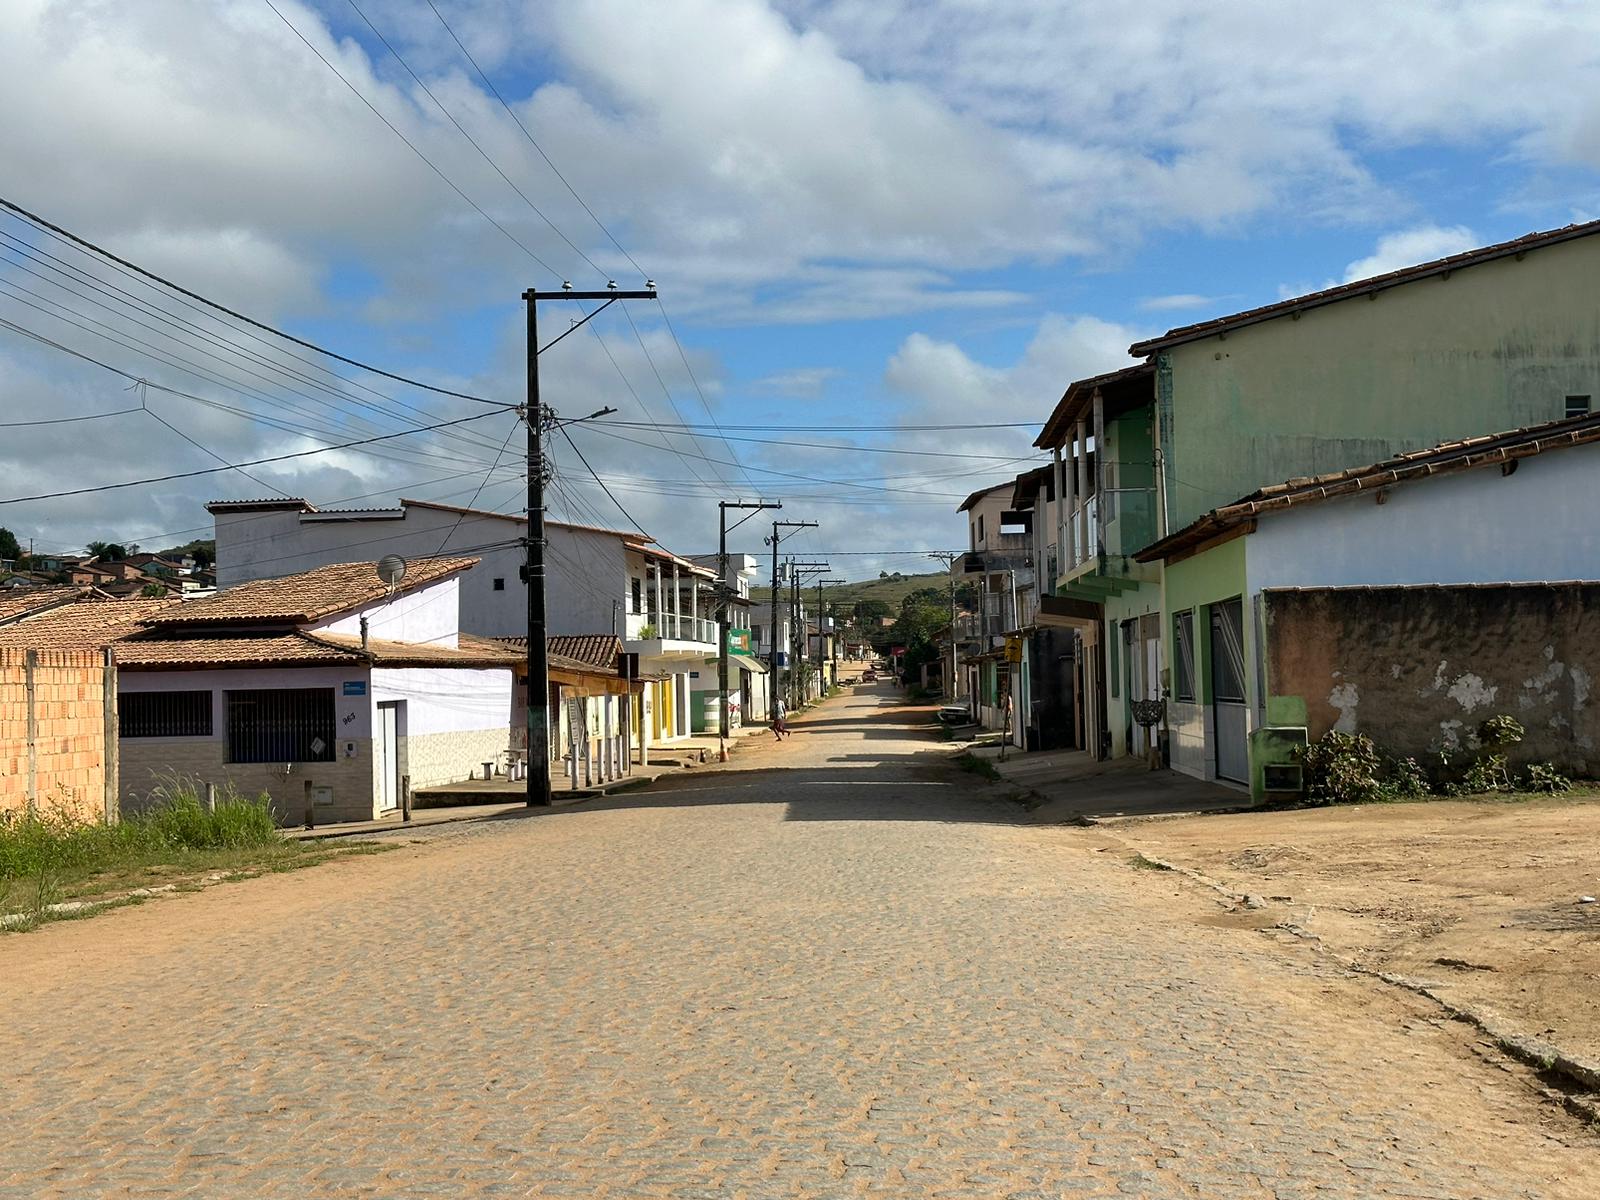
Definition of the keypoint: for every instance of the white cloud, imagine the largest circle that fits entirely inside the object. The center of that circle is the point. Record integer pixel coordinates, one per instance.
(800, 381)
(1180, 301)
(1408, 247)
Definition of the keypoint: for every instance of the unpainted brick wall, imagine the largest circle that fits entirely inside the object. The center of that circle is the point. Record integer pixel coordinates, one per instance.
(1418, 669)
(67, 767)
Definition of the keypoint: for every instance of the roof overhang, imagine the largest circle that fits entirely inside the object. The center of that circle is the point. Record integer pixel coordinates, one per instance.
(1128, 388)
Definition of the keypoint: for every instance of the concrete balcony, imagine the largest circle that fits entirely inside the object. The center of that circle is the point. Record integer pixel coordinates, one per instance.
(671, 635)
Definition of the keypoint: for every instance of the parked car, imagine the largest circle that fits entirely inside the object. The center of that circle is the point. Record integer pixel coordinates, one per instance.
(869, 676)
(954, 714)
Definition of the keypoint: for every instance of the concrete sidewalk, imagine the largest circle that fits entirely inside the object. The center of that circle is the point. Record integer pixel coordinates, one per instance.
(1069, 786)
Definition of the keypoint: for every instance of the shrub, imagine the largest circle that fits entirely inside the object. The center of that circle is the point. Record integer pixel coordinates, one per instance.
(1542, 777)
(1342, 768)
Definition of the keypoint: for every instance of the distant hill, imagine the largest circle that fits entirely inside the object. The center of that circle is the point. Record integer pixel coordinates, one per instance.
(891, 591)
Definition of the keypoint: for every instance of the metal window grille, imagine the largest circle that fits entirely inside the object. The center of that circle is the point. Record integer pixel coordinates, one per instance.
(281, 725)
(1577, 406)
(164, 714)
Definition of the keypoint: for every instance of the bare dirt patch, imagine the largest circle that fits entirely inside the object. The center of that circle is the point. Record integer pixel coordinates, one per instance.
(1481, 900)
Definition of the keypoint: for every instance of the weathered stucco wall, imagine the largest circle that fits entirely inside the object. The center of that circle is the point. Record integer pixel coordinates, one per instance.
(1485, 349)
(1418, 669)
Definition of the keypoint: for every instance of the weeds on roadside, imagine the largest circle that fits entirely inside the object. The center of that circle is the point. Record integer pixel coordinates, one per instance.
(977, 766)
(1349, 768)
(41, 851)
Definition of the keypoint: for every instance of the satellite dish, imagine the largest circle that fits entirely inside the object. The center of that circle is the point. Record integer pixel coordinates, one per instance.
(391, 569)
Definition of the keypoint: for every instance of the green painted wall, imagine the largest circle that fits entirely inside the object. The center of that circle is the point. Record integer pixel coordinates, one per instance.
(1199, 581)
(1490, 348)
(1145, 598)
(1131, 454)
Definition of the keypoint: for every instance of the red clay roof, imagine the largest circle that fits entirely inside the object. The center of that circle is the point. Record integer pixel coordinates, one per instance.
(307, 596)
(85, 625)
(175, 653)
(1445, 458)
(471, 652)
(1362, 287)
(14, 605)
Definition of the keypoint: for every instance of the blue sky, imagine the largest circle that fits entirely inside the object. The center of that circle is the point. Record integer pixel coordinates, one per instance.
(857, 212)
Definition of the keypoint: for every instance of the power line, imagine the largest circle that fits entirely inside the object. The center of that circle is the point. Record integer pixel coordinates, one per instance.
(527, 134)
(77, 278)
(510, 433)
(847, 428)
(160, 420)
(289, 337)
(255, 462)
(152, 352)
(396, 131)
(598, 480)
(460, 129)
(69, 420)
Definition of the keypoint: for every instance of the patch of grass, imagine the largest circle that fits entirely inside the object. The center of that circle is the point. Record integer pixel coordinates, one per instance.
(977, 766)
(49, 858)
(1140, 863)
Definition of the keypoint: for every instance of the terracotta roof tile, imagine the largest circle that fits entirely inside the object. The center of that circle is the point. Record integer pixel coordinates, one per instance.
(85, 625)
(284, 649)
(1447, 457)
(306, 596)
(472, 651)
(18, 604)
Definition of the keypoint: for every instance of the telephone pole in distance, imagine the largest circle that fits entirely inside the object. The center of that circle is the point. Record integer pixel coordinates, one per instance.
(772, 686)
(725, 597)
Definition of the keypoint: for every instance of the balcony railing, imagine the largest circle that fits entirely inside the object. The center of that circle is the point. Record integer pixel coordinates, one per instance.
(674, 627)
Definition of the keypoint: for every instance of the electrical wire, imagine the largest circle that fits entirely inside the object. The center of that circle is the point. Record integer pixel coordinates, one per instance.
(255, 462)
(473, 141)
(598, 480)
(527, 134)
(413, 146)
(69, 420)
(78, 278)
(36, 219)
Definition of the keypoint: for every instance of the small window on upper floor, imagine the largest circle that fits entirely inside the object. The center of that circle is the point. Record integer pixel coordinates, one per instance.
(638, 596)
(980, 530)
(1577, 406)
(499, 584)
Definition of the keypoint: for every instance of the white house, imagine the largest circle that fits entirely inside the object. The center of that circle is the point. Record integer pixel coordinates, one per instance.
(597, 581)
(327, 690)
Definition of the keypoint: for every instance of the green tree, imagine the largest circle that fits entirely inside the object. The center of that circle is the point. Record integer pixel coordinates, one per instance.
(9, 548)
(108, 551)
(869, 611)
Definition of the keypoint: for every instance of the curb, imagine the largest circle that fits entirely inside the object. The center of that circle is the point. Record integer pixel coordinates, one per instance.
(1543, 1057)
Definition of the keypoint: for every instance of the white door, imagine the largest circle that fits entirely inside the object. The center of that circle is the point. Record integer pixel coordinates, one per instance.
(387, 753)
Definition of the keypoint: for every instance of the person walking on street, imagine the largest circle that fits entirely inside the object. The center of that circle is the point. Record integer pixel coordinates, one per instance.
(780, 719)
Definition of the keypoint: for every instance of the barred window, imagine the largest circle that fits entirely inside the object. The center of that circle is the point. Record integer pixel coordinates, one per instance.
(281, 725)
(164, 714)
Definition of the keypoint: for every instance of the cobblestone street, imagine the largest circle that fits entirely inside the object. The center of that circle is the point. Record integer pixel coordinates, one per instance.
(835, 967)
